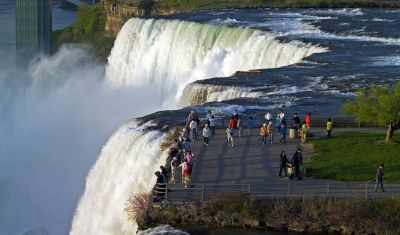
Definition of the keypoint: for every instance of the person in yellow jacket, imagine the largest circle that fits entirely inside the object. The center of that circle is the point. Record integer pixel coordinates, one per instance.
(264, 133)
(329, 127)
(304, 130)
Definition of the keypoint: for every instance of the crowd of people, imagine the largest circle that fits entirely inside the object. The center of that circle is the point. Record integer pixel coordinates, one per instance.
(180, 156)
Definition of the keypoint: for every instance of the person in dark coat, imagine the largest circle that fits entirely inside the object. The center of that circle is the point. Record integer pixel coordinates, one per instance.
(164, 173)
(159, 189)
(296, 161)
(379, 177)
(283, 161)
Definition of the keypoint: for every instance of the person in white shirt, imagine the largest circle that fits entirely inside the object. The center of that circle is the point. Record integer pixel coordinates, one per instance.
(193, 127)
(281, 114)
(268, 116)
(212, 125)
(206, 134)
(229, 135)
(208, 117)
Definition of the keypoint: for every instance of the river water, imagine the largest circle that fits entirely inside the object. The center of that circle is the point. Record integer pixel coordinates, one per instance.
(70, 153)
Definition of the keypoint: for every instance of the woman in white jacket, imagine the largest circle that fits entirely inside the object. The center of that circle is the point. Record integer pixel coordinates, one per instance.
(206, 134)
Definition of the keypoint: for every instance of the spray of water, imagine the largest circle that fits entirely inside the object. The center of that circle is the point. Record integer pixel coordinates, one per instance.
(56, 115)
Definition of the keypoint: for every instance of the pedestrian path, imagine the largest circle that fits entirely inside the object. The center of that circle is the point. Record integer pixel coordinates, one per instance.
(250, 166)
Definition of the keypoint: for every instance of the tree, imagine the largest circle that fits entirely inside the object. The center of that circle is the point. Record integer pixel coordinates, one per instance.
(377, 104)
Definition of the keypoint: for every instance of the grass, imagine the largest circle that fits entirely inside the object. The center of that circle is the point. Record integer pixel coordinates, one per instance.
(89, 28)
(354, 157)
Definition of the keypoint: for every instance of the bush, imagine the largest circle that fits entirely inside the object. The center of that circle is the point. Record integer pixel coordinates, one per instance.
(137, 206)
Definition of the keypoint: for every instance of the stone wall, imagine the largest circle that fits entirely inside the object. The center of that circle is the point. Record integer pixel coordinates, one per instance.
(116, 14)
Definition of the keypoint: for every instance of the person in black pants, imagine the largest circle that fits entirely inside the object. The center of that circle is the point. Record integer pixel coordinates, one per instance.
(159, 188)
(283, 161)
(296, 161)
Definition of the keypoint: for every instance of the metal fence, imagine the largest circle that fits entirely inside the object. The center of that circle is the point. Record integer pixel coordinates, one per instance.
(294, 189)
(317, 121)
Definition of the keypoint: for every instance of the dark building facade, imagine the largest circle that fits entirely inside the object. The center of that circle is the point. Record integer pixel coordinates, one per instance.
(33, 28)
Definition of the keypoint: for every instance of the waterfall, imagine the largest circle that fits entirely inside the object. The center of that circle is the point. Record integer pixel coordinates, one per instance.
(161, 57)
(169, 54)
(195, 94)
(126, 164)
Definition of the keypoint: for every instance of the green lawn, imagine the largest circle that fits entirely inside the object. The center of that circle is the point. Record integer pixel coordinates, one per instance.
(354, 157)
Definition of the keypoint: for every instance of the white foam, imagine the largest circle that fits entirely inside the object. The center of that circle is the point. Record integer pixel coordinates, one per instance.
(125, 166)
(168, 55)
(163, 229)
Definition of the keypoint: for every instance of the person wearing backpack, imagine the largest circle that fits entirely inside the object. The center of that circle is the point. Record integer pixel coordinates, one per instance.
(186, 173)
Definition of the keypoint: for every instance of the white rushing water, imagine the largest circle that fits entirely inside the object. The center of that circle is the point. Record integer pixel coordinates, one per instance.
(56, 115)
(169, 54)
(195, 94)
(164, 56)
(126, 165)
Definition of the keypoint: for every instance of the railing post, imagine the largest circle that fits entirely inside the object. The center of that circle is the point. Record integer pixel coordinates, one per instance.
(249, 188)
(202, 192)
(289, 189)
(366, 191)
(328, 189)
(166, 192)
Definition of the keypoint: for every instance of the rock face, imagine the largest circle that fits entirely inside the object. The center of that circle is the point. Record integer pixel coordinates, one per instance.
(117, 13)
(205, 214)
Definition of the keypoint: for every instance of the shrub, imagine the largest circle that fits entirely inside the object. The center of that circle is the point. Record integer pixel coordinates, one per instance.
(137, 206)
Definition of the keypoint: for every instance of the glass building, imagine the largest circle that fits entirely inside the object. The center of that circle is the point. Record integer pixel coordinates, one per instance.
(33, 28)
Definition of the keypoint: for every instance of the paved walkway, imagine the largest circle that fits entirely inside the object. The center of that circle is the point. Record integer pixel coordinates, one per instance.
(250, 162)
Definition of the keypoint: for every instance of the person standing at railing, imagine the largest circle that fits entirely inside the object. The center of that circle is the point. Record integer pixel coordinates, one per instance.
(283, 161)
(186, 172)
(304, 131)
(159, 189)
(379, 178)
(206, 134)
(193, 127)
(164, 173)
(174, 166)
(329, 127)
(264, 133)
(212, 125)
(229, 135)
(250, 125)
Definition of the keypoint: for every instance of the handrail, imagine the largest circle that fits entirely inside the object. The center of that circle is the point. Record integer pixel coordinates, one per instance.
(290, 190)
(317, 120)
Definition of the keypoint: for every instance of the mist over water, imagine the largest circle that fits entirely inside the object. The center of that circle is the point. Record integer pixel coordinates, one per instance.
(54, 118)
(56, 115)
